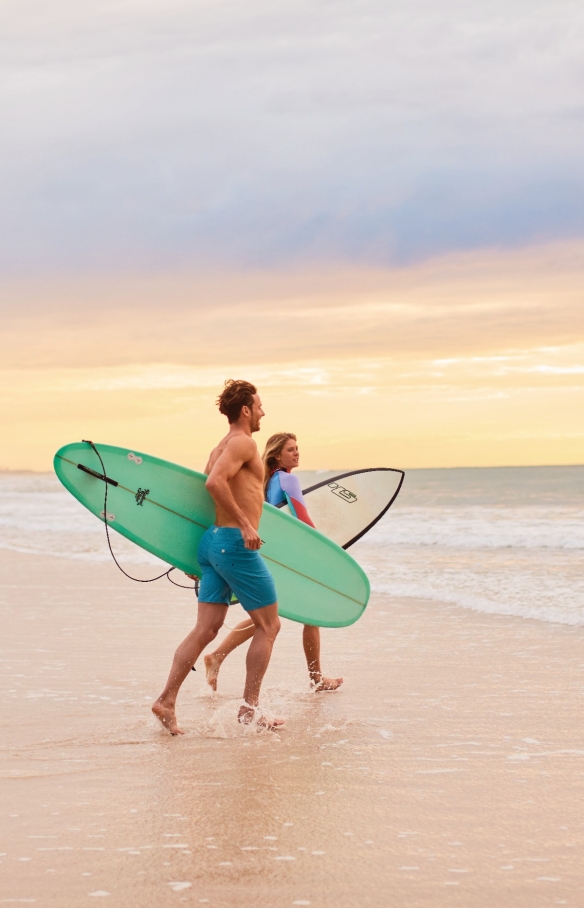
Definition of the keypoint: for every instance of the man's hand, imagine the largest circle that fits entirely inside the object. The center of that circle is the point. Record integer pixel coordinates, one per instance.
(251, 537)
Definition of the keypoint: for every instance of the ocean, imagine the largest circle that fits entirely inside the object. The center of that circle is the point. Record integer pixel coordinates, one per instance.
(506, 540)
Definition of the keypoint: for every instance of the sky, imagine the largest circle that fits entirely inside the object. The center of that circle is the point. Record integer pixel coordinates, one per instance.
(374, 211)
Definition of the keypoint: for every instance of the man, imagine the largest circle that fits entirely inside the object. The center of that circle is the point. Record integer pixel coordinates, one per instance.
(229, 557)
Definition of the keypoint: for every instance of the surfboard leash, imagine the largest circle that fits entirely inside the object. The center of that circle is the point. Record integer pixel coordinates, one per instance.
(107, 481)
(167, 573)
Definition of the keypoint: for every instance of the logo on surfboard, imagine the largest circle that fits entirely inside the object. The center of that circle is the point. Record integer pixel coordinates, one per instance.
(343, 493)
(141, 495)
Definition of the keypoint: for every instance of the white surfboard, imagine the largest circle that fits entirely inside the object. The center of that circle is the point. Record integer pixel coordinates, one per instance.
(345, 507)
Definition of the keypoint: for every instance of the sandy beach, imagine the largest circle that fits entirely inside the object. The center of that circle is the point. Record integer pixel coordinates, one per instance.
(369, 216)
(446, 772)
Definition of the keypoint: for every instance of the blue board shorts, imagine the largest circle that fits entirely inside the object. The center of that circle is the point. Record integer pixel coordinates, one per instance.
(228, 567)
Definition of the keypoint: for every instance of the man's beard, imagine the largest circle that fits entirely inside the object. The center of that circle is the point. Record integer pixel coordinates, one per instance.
(255, 426)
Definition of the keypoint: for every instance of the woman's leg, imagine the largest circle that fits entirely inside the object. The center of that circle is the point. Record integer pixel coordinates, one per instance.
(311, 643)
(240, 633)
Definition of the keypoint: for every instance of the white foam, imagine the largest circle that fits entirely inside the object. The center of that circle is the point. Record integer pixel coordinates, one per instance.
(483, 527)
(543, 585)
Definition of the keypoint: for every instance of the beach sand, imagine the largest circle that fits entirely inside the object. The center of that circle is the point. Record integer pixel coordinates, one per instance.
(447, 771)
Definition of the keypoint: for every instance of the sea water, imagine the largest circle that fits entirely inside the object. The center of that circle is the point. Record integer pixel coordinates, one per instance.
(502, 540)
(506, 540)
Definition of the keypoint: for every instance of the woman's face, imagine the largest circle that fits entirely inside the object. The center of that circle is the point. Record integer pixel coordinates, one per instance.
(289, 457)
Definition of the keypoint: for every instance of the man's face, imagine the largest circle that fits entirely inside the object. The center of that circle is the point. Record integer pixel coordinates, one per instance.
(256, 413)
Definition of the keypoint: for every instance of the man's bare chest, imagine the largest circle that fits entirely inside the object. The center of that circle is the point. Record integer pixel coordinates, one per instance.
(251, 473)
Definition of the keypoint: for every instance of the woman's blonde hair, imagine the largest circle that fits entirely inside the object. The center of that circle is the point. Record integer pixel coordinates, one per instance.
(272, 451)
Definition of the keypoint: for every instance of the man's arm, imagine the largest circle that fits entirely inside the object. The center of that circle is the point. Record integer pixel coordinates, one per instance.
(237, 452)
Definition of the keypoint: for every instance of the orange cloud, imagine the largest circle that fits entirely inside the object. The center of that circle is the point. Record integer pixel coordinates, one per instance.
(475, 359)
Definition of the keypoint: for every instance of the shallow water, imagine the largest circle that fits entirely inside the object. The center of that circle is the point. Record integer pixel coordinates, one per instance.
(508, 541)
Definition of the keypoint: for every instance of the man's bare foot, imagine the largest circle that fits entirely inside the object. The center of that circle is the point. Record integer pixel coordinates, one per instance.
(212, 666)
(167, 716)
(323, 683)
(246, 716)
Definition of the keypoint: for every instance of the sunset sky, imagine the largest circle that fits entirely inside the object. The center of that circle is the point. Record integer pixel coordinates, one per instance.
(374, 211)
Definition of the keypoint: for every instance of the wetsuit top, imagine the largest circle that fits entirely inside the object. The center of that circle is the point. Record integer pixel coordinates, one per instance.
(284, 487)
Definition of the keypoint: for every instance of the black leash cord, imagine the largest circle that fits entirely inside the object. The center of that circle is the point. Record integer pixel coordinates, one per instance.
(182, 585)
(137, 579)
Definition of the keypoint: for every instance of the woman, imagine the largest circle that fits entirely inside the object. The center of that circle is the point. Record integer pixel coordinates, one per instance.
(281, 456)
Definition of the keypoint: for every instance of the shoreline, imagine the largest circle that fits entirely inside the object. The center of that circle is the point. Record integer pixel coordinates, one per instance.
(93, 563)
(447, 769)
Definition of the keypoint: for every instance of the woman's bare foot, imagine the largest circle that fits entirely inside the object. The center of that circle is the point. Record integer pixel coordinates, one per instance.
(212, 666)
(167, 716)
(323, 683)
(246, 716)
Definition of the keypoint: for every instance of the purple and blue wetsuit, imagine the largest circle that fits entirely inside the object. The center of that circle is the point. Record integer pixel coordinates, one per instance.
(283, 487)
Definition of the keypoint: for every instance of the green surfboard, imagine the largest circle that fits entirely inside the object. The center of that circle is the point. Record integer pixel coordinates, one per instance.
(165, 509)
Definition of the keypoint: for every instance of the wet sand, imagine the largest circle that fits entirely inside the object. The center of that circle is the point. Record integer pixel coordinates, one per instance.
(447, 771)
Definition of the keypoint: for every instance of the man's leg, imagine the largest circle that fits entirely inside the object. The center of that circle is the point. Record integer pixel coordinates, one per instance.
(311, 643)
(210, 618)
(267, 625)
(240, 633)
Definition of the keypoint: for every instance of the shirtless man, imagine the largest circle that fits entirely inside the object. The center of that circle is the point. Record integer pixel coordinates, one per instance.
(230, 559)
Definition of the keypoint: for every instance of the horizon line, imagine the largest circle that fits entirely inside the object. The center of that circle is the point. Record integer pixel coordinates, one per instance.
(526, 466)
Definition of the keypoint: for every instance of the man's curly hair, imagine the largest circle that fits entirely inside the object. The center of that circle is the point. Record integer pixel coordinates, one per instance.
(235, 395)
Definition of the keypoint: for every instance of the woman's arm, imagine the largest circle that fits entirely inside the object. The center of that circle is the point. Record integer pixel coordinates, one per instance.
(291, 487)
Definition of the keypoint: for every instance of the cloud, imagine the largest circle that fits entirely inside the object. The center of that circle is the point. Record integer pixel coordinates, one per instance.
(407, 411)
(158, 377)
(146, 135)
(468, 304)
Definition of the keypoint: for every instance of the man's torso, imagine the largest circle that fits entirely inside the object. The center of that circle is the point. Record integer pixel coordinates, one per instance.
(247, 487)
